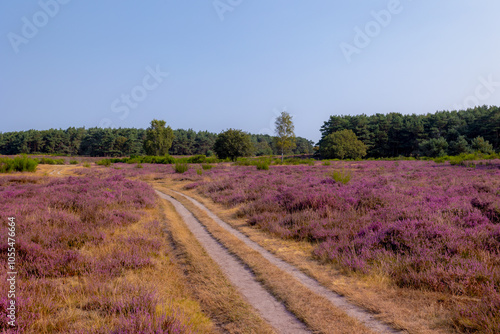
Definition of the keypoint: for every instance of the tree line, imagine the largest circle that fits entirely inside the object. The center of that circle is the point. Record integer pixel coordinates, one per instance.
(392, 135)
(108, 142)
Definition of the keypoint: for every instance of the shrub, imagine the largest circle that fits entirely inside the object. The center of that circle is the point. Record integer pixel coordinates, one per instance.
(199, 171)
(104, 162)
(197, 159)
(342, 176)
(298, 161)
(18, 164)
(73, 162)
(261, 165)
(181, 167)
(49, 161)
(86, 165)
(206, 166)
(326, 163)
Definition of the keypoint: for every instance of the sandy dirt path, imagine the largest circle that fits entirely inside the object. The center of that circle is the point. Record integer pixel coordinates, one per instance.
(339, 301)
(269, 308)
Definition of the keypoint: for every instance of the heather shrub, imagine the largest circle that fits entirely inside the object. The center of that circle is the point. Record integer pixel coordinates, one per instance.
(206, 166)
(63, 215)
(133, 310)
(62, 231)
(73, 162)
(428, 226)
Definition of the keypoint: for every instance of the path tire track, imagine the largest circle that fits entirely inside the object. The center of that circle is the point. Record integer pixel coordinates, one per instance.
(269, 308)
(337, 300)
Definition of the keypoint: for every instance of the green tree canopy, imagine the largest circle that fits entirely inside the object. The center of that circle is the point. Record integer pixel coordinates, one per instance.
(158, 138)
(434, 147)
(394, 134)
(459, 146)
(482, 146)
(342, 144)
(285, 137)
(233, 144)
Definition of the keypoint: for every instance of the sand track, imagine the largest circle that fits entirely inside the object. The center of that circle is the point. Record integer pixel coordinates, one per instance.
(337, 300)
(269, 308)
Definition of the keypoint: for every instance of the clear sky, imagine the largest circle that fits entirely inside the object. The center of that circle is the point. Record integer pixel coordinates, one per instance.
(237, 63)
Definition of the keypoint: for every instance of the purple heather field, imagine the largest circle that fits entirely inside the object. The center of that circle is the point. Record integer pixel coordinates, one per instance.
(425, 225)
(56, 218)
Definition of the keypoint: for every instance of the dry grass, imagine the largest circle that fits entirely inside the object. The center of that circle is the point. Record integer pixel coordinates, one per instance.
(317, 312)
(218, 297)
(411, 310)
(56, 170)
(79, 304)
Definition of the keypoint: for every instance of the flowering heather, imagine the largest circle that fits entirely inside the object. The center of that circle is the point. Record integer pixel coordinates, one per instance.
(425, 225)
(63, 232)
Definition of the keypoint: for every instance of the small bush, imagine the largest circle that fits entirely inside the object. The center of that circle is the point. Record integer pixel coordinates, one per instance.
(261, 165)
(167, 159)
(212, 160)
(49, 161)
(342, 176)
(199, 171)
(181, 167)
(298, 161)
(197, 159)
(86, 165)
(73, 162)
(138, 165)
(326, 163)
(104, 162)
(206, 166)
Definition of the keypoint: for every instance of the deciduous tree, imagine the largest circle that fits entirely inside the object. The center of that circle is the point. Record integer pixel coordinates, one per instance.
(233, 144)
(158, 138)
(342, 144)
(285, 136)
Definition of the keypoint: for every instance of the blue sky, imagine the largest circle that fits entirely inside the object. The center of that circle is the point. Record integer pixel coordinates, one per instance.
(237, 63)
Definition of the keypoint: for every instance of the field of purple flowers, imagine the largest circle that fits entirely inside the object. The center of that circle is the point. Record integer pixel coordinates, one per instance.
(428, 226)
(72, 275)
